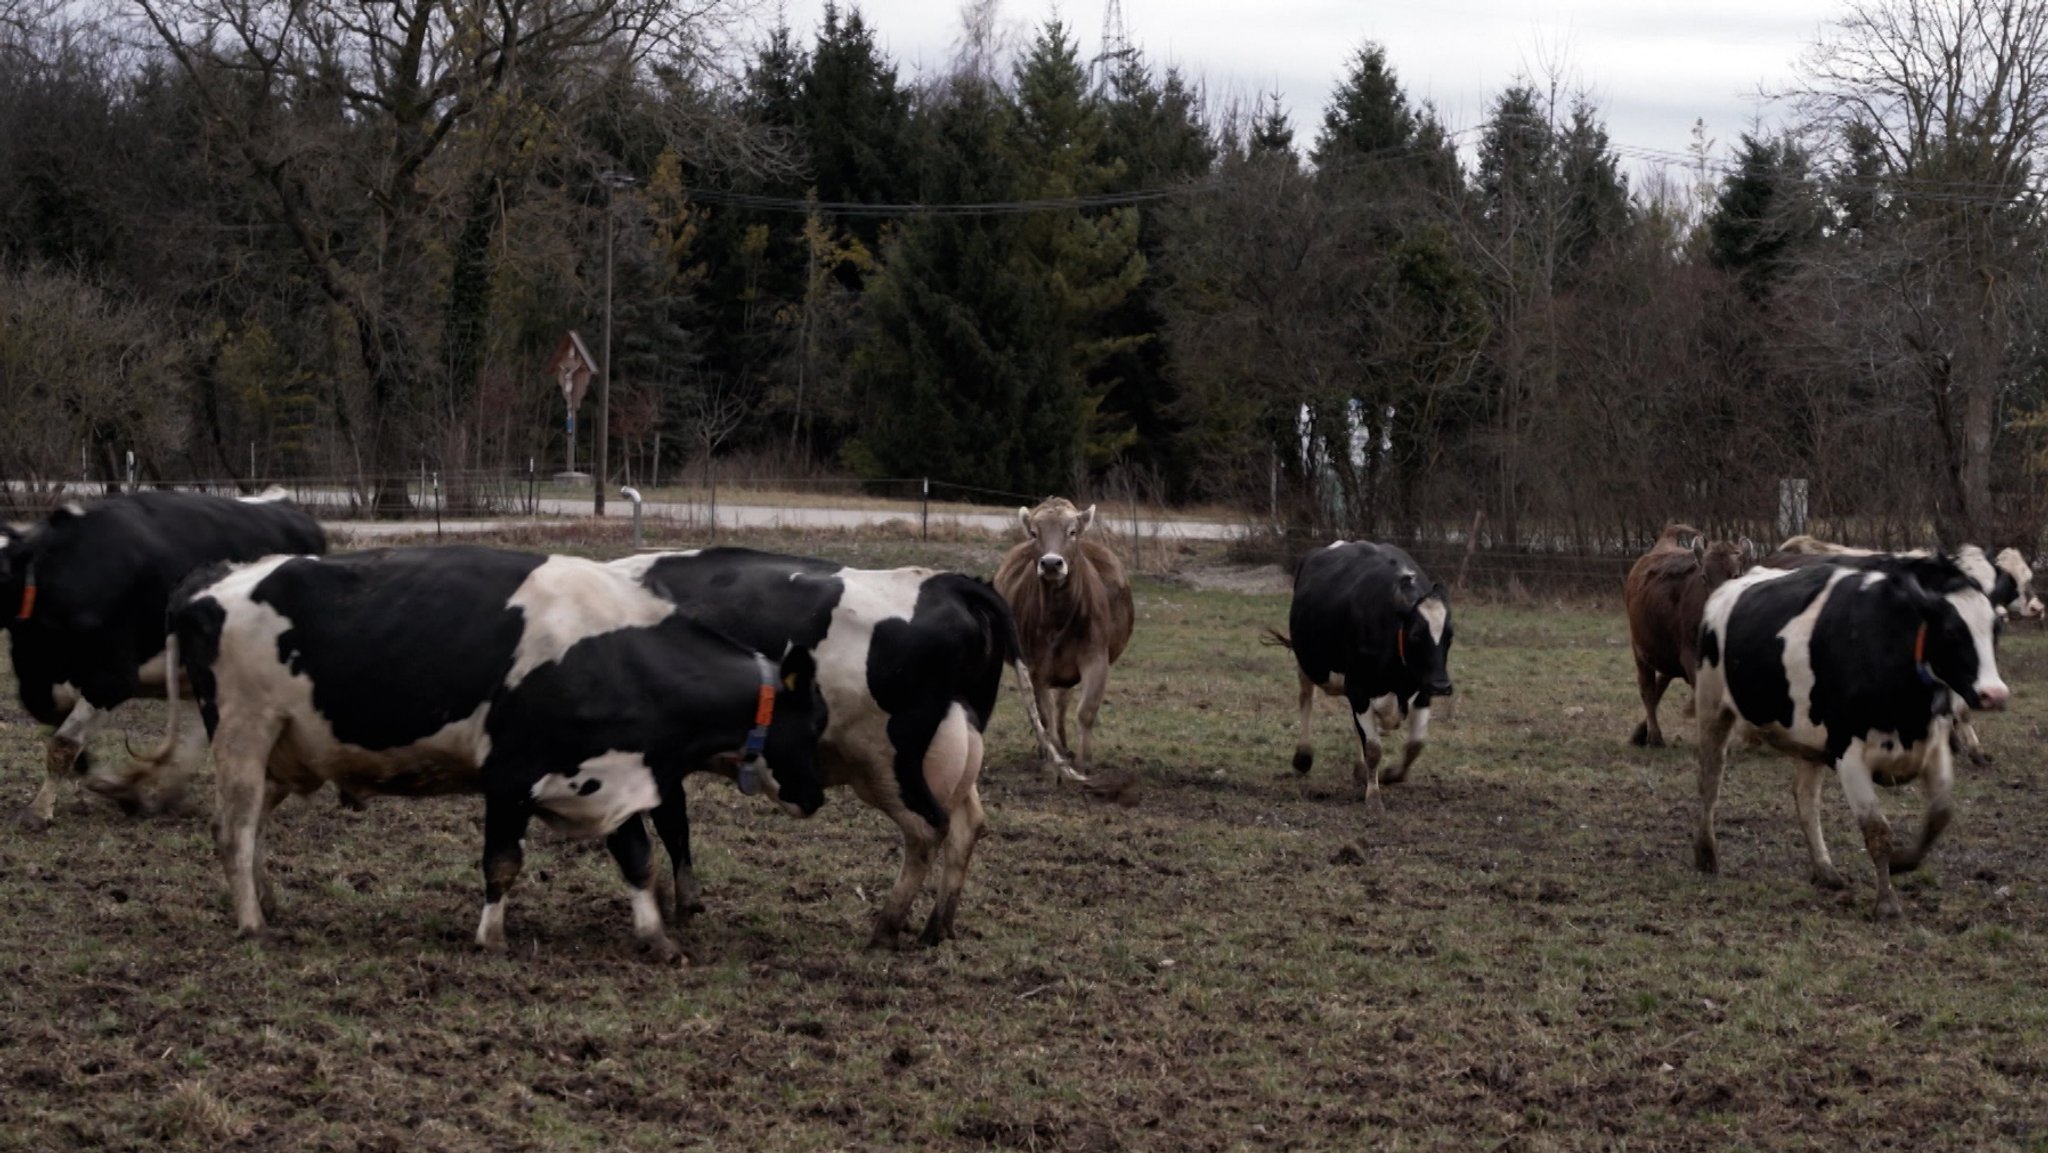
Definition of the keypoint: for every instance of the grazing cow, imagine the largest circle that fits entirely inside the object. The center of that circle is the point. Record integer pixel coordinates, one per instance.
(909, 661)
(557, 687)
(1368, 625)
(1856, 667)
(2008, 581)
(1665, 591)
(1073, 610)
(85, 592)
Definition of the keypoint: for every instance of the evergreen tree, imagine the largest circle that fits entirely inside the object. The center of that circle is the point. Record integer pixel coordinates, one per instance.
(1272, 134)
(1764, 213)
(1368, 115)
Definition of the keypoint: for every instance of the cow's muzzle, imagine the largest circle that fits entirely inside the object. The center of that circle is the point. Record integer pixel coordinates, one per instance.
(1439, 689)
(1992, 697)
(1052, 566)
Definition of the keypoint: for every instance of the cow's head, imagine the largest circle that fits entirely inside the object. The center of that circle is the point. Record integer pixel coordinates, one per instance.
(795, 780)
(1960, 630)
(1052, 528)
(1424, 645)
(1723, 561)
(2020, 599)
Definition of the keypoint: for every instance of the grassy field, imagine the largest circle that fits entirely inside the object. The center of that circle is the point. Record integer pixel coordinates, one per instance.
(1514, 953)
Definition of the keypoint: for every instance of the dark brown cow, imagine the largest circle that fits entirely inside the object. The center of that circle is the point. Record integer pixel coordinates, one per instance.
(1666, 590)
(1073, 609)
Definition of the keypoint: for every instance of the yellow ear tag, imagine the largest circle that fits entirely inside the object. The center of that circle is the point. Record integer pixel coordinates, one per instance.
(789, 681)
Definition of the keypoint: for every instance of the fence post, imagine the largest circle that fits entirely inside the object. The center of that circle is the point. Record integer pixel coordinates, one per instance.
(714, 506)
(437, 506)
(925, 513)
(633, 494)
(1471, 543)
(532, 497)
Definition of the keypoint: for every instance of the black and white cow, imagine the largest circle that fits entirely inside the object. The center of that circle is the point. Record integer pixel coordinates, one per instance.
(1368, 625)
(910, 661)
(1860, 668)
(555, 686)
(2008, 581)
(82, 595)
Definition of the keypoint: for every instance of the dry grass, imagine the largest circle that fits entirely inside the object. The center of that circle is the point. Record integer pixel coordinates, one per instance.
(1515, 953)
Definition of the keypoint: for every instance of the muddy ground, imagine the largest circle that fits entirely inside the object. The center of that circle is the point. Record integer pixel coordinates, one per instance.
(1515, 953)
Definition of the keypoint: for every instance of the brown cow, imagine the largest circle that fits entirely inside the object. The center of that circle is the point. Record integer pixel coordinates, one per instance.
(1073, 609)
(1666, 590)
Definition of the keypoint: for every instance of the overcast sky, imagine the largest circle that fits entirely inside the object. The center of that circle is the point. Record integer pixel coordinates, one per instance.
(1654, 67)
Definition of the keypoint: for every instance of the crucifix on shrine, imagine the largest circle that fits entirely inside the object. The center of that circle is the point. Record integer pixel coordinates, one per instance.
(571, 366)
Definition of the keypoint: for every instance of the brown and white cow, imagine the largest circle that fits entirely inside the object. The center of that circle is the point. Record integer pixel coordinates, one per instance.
(1073, 609)
(1665, 593)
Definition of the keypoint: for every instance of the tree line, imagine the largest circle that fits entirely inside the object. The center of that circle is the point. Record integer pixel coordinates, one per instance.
(326, 238)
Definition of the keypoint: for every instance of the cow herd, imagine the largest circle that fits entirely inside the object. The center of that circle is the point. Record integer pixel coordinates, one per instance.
(582, 693)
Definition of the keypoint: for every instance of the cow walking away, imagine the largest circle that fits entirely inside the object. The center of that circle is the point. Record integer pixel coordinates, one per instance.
(1074, 614)
(1857, 668)
(1665, 592)
(84, 594)
(556, 687)
(1367, 624)
(909, 660)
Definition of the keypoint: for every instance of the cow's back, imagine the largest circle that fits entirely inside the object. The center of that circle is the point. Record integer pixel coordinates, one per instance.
(1665, 594)
(1341, 598)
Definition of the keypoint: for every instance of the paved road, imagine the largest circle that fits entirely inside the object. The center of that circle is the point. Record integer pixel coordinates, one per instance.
(778, 516)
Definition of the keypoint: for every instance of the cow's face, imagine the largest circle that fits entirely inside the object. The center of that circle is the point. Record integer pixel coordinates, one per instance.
(795, 780)
(1426, 639)
(2025, 603)
(1961, 648)
(1052, 528)
(1723, 561)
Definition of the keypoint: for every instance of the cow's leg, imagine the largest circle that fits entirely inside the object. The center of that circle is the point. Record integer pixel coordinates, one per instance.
(1936, 778)
(61, 758)
(1715, 724)
(953, 768)
(1094, 683)
(151, 785)
(1650, 684)
(1965, 740)
(1367, 771)
(635, 855)
(243, 794)
(1304, 742)
(1062, 700)
(506, 814)
(1806, 783)
(918, 840)
(1877, 832)
(672, 821)
(1418, 731)
(1052, 709)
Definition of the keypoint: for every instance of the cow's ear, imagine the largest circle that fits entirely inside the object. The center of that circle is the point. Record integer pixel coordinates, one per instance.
(1748, 551)
(1699, 550)
(1024, 518)
(1438, 592)
(69, 510)
(1087, 518)
(799, 669)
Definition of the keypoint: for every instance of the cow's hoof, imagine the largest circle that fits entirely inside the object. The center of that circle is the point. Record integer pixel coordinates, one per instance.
(350, 802)
(491, 944)
(1641, 737)
(660, 950)
(689, 900)
(1303, 760)
(1904, 861)
(1705, 857)
(1980, 758)
(886, 938)
(31, 821)
(1829, 879)
(1888, 908)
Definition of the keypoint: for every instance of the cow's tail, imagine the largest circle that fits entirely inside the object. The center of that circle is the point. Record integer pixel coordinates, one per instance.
(1274, 638)
(160, 756)
(1004, 626)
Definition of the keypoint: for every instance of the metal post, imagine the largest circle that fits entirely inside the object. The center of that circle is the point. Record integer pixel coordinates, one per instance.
(604, 379)
(423, 480)
(925, 515)
(633, 494)
(532, 489)
(437, 506)
(714, 506)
